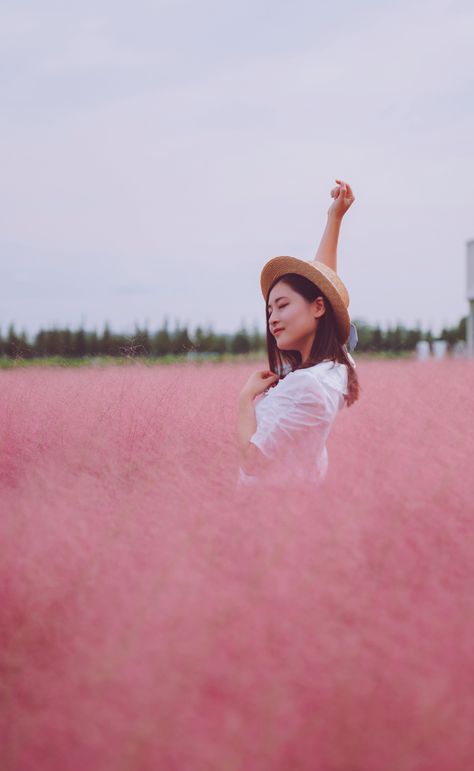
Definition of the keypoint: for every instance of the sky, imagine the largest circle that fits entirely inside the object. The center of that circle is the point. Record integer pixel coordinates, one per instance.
(154, 155)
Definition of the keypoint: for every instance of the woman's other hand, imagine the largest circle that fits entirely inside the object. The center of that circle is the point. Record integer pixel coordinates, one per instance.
(343, 199)
(258, 382)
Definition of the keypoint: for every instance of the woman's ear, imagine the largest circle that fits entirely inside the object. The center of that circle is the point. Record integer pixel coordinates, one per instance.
(319, 309)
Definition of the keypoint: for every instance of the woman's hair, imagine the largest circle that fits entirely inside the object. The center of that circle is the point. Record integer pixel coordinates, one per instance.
(325, 343)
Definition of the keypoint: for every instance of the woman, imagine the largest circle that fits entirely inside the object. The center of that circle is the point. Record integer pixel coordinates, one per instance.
(311, 375)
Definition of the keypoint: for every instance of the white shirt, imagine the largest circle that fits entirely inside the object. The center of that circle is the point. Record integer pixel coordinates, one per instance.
(294, 419)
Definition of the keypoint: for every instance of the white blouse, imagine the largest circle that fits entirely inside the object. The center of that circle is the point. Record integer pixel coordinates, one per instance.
(294, 419)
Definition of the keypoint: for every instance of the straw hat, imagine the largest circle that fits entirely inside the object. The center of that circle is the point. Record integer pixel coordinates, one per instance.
(325, 278)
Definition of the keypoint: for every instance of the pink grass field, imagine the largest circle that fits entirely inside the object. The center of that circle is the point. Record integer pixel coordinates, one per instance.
(150, 620)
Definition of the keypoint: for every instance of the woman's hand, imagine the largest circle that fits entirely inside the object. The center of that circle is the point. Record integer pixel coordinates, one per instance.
(258, 382)
(343, 199)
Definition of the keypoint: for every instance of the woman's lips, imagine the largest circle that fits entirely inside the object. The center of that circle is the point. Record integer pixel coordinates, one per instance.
(277, 331)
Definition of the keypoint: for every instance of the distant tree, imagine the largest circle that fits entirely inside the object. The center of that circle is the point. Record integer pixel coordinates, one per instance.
(14, 345)
(79, 344)
(26, 347)
(412, 338)
(161, 342)
(376, 343)
(142, 341)
(93, 344)
(199, 340)
(181, 342)
(219, 344)
(67, 343)
(106, 342)
(39, 343)
(256, 339)
(212, 342)
(63, 342)
(397, 338)
(462, 329)
(240, 342)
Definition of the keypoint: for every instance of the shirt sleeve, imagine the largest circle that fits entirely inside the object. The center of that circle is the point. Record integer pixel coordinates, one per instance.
(297, 408)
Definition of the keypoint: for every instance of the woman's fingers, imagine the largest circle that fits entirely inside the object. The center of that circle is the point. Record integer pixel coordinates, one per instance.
(343, 197)
(339, 189)
(345, 188)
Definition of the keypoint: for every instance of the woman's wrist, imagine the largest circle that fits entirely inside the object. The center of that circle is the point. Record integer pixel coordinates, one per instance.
(245, 396)
(327, 249)
(246, 421)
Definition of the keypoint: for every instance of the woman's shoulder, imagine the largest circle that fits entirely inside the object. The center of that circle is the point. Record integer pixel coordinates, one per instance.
(320, 369)
(328, 374)
(316, 379)
(300, 382)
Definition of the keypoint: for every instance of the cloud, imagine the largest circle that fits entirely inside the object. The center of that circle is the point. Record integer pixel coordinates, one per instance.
(132, 289)
(176, 152)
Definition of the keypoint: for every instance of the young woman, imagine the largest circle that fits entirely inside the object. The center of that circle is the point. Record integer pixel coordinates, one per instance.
(285, 413)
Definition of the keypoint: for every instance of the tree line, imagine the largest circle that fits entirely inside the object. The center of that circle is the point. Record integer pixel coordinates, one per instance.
(80, 343)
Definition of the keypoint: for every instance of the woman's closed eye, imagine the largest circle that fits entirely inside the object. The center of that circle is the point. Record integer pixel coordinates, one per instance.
(279, 308)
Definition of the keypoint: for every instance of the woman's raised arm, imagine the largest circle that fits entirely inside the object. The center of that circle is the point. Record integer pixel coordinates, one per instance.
(343, 199)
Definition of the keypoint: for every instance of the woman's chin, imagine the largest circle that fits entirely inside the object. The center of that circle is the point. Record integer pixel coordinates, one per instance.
(283, 345)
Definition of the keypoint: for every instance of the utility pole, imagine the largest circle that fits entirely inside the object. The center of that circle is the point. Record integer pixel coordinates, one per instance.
(470, 296)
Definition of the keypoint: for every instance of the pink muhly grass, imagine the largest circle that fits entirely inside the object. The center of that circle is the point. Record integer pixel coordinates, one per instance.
(150, 620)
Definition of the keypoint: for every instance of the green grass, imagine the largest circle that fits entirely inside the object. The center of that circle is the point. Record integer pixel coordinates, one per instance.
(120, 361)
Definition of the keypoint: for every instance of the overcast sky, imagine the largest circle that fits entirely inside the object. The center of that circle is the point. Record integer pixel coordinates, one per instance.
(155, 154)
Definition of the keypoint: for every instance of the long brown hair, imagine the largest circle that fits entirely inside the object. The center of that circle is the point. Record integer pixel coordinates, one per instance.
(325, 343)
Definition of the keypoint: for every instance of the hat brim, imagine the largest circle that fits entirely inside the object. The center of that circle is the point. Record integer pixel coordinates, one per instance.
(326, 279)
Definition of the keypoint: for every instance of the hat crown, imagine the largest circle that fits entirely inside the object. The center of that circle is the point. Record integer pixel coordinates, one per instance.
(332, 276)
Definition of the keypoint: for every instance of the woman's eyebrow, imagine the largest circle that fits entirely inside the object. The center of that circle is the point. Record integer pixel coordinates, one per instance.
(283, 297)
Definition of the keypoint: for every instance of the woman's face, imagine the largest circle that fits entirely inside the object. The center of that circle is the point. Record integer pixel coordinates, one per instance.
(295, 316)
